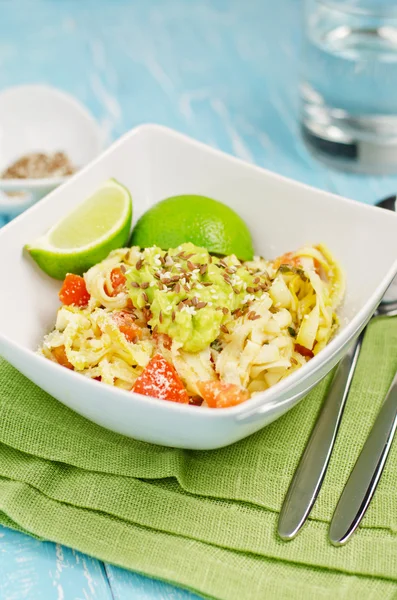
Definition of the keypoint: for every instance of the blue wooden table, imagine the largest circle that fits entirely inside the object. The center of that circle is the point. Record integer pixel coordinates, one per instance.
(225, 72)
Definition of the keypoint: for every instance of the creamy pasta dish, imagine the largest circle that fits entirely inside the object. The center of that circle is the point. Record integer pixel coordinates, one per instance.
(187, 326)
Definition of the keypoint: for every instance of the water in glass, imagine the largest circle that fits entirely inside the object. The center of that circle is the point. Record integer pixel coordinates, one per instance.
(349, 83)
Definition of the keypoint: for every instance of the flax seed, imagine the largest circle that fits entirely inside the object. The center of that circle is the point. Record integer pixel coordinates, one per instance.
(134, 284)
(139, 264)
(145, 297)
(252, 316)
(224, 329)
(145, 285)
(147, 314)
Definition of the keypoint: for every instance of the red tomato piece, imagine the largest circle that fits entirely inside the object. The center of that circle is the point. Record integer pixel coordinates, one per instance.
(74, 291)
(118, 280)
(304, 351)
(218, 394)
(59, 353)
(126, 323)
(160, 380)
(162, 339)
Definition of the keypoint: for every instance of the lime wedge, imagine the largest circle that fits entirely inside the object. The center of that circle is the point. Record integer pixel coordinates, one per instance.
(190, 218)
(86, 236)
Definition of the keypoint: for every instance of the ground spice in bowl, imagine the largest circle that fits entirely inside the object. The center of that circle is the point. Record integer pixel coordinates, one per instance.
(38, 165)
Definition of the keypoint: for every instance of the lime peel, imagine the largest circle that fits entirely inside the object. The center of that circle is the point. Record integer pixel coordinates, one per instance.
(85, 237)
(205, 222)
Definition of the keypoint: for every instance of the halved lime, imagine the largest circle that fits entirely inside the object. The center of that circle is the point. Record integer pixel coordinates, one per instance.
(189, 218)
(86, 236)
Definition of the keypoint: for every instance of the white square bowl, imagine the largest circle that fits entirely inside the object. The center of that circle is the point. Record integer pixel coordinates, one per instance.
(155, 162)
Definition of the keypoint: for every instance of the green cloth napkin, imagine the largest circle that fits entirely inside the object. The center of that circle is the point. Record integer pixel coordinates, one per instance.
(203, 520)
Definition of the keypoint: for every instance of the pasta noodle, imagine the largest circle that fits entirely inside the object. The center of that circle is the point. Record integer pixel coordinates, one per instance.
(275, 330)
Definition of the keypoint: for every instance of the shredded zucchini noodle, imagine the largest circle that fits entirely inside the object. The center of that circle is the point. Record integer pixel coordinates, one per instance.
(226, 330)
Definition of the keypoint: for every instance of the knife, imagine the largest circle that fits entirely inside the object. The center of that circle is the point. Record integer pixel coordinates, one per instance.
(366, 473)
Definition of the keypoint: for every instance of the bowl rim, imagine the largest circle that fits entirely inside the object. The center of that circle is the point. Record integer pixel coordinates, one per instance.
(267, 399)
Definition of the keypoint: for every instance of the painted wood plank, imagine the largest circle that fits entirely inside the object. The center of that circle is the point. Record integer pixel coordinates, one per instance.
(127, 585)
(34, 570)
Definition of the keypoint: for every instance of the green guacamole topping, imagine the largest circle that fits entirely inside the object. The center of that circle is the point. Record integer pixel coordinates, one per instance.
(190, 293)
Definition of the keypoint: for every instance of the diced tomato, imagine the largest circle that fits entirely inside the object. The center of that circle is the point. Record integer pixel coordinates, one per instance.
(304, 351)
(218, 394)
(162, 340)
(160, 380)
(126, 323)
(59, 353)
(118, 280)
(74, 291)
(288, 258)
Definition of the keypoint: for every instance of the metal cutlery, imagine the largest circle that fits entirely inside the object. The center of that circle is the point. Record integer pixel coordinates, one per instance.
(308, 478)
(309, 475)
(366, 473)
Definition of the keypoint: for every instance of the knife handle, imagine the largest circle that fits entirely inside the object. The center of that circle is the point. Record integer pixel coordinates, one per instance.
(308, 478)
(366, 473)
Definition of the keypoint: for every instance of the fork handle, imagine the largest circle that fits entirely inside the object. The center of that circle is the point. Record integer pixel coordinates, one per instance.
(309, 475)
(366, 473)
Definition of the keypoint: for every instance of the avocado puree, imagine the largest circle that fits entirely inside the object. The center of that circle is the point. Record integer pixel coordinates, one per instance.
(190, 293)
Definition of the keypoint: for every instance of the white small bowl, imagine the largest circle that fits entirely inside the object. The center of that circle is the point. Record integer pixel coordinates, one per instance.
(155, 163)
(40, 118)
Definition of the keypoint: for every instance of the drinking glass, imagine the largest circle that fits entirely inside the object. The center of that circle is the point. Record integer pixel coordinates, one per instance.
(349, 83)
